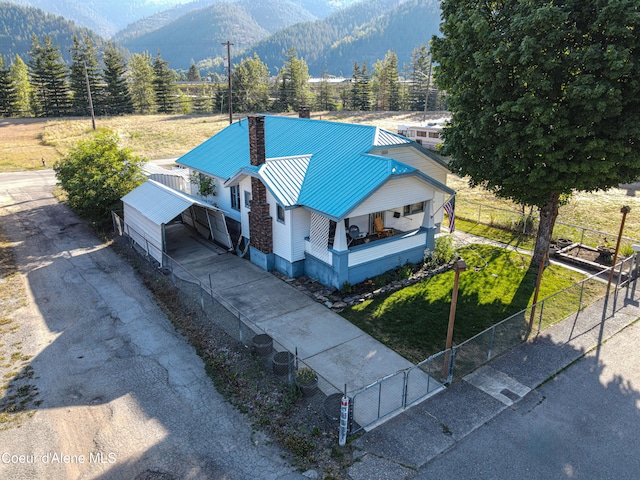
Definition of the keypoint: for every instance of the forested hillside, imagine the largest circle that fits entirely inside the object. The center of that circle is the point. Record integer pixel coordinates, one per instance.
(17, 24)
(104, 17)
(198, 34)
(365, 31)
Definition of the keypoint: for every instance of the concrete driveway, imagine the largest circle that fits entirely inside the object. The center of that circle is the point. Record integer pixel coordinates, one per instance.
(123, 395)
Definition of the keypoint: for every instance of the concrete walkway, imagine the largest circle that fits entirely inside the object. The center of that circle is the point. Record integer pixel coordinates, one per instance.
(391, 450)
(338, 351)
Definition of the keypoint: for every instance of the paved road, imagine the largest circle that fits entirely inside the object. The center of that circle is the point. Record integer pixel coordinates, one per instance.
(582, 424)
(113, 376)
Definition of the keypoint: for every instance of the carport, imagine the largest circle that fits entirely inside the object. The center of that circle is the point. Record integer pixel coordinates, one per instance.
(152, 206)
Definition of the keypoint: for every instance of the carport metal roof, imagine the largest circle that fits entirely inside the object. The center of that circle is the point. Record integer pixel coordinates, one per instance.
(160, 203)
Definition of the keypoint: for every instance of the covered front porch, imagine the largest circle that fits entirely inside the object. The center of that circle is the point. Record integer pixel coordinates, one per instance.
(362, 246)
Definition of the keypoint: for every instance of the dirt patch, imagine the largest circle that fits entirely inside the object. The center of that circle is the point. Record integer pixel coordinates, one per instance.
(277, 409)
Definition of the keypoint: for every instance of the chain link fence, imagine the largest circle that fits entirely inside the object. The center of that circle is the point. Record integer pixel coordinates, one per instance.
(402, 389)
(526, 222)
(286, 365)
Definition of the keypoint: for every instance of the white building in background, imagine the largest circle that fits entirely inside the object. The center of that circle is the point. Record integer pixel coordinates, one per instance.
(426, 134)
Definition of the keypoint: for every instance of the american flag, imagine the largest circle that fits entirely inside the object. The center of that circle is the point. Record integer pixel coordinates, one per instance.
(450, 208)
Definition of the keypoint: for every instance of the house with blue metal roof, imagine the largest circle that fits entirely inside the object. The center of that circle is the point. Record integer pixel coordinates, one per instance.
(334, 201)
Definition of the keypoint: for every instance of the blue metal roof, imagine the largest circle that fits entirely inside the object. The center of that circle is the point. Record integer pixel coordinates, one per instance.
(337, 175)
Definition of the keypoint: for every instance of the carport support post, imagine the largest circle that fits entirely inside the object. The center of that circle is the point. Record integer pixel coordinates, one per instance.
(624, 210)
(459, 266)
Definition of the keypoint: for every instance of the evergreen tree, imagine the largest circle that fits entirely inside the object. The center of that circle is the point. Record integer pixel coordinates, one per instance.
(419, 72)
(193, 74)
(250, 85)
(327, 98)
(49, 78)
(361, 88)
(386, 83)
(293, 83)
(116, 92)
(141, 83)
(203, 101)
(23, 90)
(7, 91)
(83, 53)
(163, 85)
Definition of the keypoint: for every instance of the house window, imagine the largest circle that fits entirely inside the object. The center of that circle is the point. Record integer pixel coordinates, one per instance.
(421, 133)
(247, 199)
(413, 208)
(235, 197)
(434, 135)
(280, 213)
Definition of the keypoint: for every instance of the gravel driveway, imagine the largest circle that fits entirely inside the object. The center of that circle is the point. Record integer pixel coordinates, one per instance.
(123, 395)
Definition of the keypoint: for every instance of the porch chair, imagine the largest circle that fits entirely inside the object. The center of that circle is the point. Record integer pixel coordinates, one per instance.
(381, 230)
(353, 234)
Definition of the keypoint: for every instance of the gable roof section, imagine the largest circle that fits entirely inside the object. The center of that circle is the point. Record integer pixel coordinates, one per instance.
(324, 166)
(160, 203)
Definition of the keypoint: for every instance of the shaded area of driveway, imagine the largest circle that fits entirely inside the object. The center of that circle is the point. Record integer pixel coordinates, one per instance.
(118, 385)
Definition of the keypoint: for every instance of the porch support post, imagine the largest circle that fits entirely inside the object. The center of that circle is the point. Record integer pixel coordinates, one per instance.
(341, 267)
(340, 237)
(427, 219)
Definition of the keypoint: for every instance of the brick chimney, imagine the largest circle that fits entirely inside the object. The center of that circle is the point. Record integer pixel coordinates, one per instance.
(304, 111)
(260, 222)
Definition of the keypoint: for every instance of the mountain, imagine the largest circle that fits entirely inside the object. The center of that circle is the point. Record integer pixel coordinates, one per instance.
(103, 17)
(200, 33)
(17, 24)
(364, 31)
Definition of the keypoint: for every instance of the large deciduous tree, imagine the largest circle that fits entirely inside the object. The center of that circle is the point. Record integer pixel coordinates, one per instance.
(96, 173)
(544, 95)
(251, 85)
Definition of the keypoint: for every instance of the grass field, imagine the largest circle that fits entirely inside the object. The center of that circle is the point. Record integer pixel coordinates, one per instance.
(23, 142)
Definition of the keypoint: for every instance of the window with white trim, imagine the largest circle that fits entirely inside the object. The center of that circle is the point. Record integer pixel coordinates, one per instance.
(235, 197)
(413, 208)
(247, 199)
(280, 213)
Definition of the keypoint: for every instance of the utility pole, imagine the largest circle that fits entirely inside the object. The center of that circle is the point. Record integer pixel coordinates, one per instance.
(86, 79)
(228, 45)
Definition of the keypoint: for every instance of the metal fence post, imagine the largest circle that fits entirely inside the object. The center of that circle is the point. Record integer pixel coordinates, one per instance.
(493, 334)
(240, 327)
(201, 295)
(541, 312)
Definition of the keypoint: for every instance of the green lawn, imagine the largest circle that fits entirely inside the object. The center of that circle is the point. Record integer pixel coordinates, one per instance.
(497, 284)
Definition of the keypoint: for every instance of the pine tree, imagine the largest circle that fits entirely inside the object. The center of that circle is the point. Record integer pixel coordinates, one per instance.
(7, 91)
(23, 90)
(49, 78)
(193, 74)
(293, 83)
(83, 53)
(117, 97)
(163, 85)
(141, 83)
(361, 88)
(419, 71)
(327, 99)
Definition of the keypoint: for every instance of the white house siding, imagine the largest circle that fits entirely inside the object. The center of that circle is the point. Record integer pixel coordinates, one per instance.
(281, 231)
(300, 226)
(143, 231)
(375, 251)
(394, 195)
(243, 215)
(415, 159)
(222, 198)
